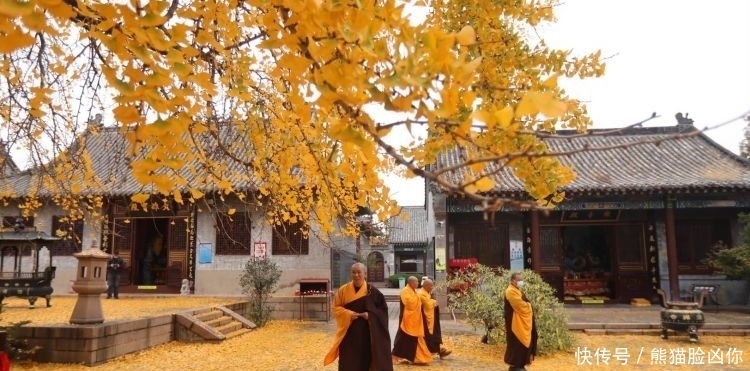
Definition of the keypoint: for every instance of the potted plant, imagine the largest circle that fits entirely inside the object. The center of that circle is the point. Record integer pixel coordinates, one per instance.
(734, 262)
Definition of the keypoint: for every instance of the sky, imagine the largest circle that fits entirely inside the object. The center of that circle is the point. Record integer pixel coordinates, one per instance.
(665, 56)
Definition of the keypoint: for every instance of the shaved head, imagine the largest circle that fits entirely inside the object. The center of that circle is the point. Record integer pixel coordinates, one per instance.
(359, 274)
(427, 284)
(413, 282)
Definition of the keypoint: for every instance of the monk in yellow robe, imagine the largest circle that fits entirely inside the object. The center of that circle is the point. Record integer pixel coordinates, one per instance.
(409, 346)
(431, 317)
(520, 329)
(362, 342)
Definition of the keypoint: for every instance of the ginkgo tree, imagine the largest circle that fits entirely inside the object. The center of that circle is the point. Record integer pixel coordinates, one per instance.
(264, 100)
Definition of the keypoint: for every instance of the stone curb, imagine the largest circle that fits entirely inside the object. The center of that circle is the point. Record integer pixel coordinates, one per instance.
(656, 332)
(652, 326)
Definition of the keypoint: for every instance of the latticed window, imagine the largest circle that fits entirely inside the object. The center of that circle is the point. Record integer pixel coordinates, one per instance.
(233, 234)
(695, 238)
(70, 234)
(289, 240)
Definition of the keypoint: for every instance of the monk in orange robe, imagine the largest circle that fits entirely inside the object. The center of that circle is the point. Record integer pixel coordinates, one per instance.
(362, 342)
(409, 345)
(520, 329)
(431, 317)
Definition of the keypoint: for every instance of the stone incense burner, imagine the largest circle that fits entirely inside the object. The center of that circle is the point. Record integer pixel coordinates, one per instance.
(682, 316)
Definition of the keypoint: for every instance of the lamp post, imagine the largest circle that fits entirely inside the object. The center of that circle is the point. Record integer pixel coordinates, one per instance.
(90, 283)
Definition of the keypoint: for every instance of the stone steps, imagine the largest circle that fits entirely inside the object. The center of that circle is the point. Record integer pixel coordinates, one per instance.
(212, 324)
(220, 321)
(239, 332)
(231, 326)
(210, 315)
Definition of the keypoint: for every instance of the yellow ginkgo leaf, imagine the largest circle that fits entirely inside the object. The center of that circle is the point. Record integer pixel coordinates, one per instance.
(551, 82)
(196, 194)
(505, 116)
(550, 106)
(177, 195)
(477, 167)
(466, 36)
(126, 114)
(485, 117)
(15, 8)
(527, 107)
(50, 3)
(163, 183)
(534, 102)
(139, 198)
(485, 184)
(231, 211)
(14, 41)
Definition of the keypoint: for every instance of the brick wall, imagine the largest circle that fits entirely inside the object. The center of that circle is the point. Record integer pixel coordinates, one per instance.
(94, 344)
(288, 308)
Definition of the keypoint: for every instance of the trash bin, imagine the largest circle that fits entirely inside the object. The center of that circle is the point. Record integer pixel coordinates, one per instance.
(401, 282)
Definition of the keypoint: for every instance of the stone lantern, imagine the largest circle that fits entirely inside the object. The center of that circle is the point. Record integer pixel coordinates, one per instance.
(90, 283)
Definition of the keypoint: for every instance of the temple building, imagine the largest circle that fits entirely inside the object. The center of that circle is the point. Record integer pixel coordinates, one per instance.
(646, 206)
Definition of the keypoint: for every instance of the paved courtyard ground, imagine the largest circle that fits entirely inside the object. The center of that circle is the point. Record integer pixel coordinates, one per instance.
(295, 345)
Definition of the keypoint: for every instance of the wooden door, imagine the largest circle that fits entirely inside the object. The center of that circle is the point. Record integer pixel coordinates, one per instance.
(375, 267)
(487, 243)
(630, 261)
(551, 259)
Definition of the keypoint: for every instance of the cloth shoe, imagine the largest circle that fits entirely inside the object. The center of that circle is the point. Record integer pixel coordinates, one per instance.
(400, 361)
(444, 352)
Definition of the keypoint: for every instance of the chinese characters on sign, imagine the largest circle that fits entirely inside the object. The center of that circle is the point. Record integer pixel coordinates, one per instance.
(259, 250)
(590, 215)
(658, 356)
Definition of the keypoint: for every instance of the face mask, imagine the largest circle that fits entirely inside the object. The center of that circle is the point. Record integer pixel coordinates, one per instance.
(519, 284)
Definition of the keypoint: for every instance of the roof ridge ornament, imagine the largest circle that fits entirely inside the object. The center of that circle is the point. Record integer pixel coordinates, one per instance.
(96, 121)
(683, 120)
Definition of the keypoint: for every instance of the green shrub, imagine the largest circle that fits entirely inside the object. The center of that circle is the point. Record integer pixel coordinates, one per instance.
(258, 281)
(735, 261)
(18, 349)
(479, 292)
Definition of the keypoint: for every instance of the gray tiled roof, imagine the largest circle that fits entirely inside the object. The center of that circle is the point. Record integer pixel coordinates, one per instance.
(109, 155)
(667, 163)
(409, 226)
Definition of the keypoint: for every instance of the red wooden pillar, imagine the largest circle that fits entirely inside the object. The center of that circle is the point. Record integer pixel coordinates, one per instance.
(674, 283)
(536, 253)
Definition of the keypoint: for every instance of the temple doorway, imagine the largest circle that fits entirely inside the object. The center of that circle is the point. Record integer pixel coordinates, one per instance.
(150, 251)
(587, 263)
(375, 267)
